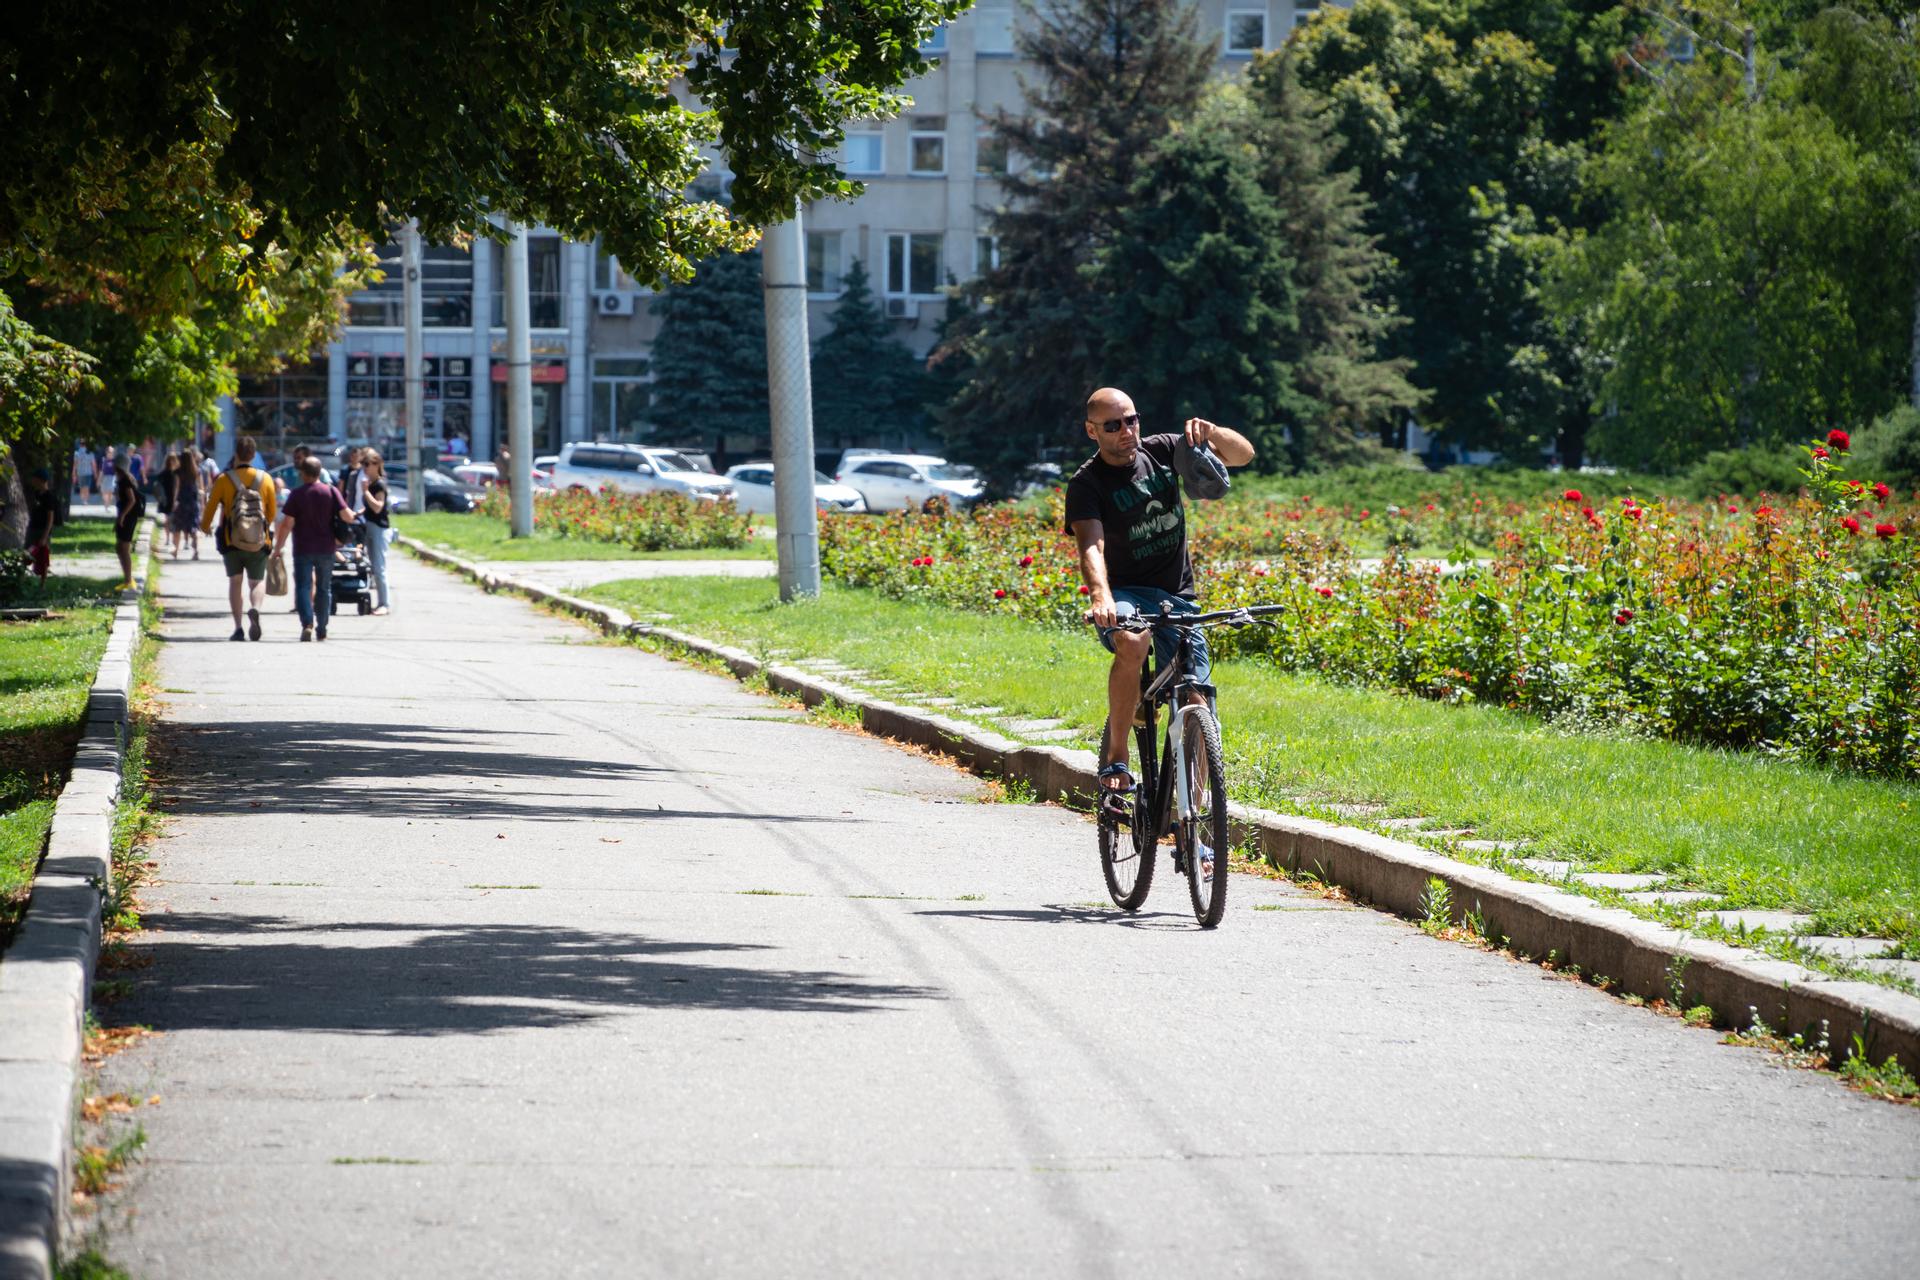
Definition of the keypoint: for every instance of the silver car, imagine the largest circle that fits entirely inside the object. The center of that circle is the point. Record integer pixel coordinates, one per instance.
(636, 469)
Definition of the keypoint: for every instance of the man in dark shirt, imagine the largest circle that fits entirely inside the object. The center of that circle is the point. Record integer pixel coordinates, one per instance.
(308, 520)
(40, 513)
(1125, 510)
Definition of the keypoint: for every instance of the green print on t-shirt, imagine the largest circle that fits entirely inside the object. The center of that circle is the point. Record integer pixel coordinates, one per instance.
(1154, 517)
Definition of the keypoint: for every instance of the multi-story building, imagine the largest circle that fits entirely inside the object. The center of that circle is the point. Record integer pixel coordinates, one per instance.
(932, 178)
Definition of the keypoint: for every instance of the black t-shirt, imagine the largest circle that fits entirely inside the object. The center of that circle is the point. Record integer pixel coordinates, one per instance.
(40, 513)
(1140, 509)
(376, 489)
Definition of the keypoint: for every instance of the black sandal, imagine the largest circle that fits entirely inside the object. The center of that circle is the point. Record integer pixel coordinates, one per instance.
(1117, 801)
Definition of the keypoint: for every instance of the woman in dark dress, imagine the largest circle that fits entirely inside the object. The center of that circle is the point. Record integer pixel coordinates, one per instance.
(130, 507)
(183, 522)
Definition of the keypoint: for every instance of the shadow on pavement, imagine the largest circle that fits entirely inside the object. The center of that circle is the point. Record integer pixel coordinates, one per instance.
(455, 979)
(399, 771)
(1071, 913)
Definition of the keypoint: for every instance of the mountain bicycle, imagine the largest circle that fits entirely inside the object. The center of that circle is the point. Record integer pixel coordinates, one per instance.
(1180, 785)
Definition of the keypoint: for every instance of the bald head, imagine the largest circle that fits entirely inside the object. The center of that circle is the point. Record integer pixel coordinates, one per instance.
(1113, 425)
(1106, 402)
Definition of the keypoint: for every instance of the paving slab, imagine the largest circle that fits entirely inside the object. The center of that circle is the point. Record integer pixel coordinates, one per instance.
(1551, 868)
(1772, 921)
(1403, 824)
(1624, 881)
(1491, 846)
(1845, 948)
(571, 961)
(1673, 896)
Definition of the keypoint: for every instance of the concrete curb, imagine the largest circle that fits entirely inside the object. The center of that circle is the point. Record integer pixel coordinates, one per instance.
(1642, 958)
(46, 974)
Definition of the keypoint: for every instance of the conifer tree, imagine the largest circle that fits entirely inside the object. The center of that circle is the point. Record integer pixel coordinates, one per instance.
(867, 386)
(710, 357)
(1342, 276)
(1113, 76)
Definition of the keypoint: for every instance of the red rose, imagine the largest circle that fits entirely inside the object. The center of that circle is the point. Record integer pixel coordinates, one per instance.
(1881, 491)
(1326, 592)
(1839, 440)
(999, 593)
(1763, 512)
(1364, 513)
(1083, 588)
(1631, 513)
(1732, 510)
(1623, 617)
(1571, 495)
(1886, 531)
(1259, 573)
(1850, 524)
(1818, 452)
(1026, 562)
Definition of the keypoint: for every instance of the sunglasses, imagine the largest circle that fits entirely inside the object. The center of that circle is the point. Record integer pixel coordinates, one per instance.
(1130, 422)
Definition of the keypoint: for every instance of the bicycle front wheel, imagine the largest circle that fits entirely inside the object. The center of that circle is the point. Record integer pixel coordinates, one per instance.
(1202, 834)
(1126, 856)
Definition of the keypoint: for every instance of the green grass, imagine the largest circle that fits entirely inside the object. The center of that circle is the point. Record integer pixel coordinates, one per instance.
(46, 666)
(484, 538)
(1760, 832)
(81, 537)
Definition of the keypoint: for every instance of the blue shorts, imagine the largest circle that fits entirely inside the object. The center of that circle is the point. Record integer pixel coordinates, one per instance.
(1148, 600)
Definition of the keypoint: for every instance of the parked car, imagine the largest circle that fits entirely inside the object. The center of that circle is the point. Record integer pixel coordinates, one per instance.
(753, 490)
(903, 481)
(546, 462)
(444, 493)
(636, 469)
(485, 475)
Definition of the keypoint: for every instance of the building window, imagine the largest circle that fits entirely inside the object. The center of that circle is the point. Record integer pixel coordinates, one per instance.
(823, 263)
(546, 293)
(993, 28)
(282, 409)
(863, 152)
(446, 290)
(1246, 30)
(377, 394)
(608, 275)
(621, 396)
(913, 263)
(1305, 11)
(927, 145)
(936, 41)
(990, 156)
(986, 254)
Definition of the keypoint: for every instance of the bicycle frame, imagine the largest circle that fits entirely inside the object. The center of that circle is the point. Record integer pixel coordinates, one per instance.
(1170, 684)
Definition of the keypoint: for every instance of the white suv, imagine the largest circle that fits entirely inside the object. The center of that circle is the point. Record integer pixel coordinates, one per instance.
(903, 481)
(636, 469)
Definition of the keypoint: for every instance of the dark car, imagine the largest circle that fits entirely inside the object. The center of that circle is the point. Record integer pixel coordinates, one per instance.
(444, 493)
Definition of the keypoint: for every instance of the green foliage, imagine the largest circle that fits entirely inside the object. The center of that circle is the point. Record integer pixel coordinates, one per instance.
(1112, 76)
(1339, 273)
(1205, 316)
(1465, 122)
(710, 357)
(1747, 472)
(1729, 291)
(1889, 447)
(641, 521)
(867, 387)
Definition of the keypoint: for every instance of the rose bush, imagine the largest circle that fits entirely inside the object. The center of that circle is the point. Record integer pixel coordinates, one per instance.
(1781, 626)
(643, 521)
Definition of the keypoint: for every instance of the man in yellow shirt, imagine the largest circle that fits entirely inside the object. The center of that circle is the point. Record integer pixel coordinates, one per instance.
(244, 500)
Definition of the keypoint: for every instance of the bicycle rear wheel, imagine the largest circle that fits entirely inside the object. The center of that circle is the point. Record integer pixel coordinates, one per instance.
(1126, 857)
(1202, 838)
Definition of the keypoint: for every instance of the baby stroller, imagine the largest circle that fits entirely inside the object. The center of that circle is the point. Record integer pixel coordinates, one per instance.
(353, 574)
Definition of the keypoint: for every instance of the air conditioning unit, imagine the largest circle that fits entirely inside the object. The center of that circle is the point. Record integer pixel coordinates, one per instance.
(902, 309)
(616, 304)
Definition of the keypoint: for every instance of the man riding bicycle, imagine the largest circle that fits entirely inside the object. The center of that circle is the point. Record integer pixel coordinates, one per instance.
(1132, 487)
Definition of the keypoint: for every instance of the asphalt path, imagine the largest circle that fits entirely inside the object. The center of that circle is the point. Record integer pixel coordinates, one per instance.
(483, 948)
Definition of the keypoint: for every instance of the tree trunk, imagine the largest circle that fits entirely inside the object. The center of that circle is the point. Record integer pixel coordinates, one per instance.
(1914, 390)
(13, 503)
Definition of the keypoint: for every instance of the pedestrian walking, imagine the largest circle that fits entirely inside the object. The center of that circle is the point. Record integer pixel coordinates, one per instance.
(165, 485)
(83, 477)
(137, 464)
(129, 509)
(183, 522)
(308, 523)
(350, 476)
(209, 470)
(41, 510)
(378, 527)
(244, 501)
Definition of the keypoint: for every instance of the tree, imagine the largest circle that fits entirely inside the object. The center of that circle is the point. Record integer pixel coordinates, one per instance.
(866, 386)
(1735, 292)
(1467, 138)
(1340, 274)
(1113, 77)
(1208, 318)
(710, 357)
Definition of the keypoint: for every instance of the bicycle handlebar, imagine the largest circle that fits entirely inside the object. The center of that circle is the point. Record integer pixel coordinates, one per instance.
(1243, 617)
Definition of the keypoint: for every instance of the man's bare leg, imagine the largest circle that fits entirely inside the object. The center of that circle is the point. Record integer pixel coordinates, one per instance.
(233, 596)
(1123, 690)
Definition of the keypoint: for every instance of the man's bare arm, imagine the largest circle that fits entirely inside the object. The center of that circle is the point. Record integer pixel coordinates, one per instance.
(1234, 449)
(1092, 537)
